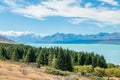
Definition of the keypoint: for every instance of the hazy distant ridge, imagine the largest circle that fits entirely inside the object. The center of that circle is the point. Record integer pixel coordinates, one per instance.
(5, 40)
(107, 38)
(113, 38)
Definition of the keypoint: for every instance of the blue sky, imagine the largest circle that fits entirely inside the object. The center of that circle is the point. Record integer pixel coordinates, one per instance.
(66, 16)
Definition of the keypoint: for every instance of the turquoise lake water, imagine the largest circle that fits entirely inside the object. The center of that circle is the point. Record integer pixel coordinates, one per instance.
(109, 51)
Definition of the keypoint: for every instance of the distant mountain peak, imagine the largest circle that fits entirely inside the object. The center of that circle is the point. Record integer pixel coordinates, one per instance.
(30, 37)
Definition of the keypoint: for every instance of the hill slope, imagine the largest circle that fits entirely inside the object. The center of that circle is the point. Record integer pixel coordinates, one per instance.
(10, 71)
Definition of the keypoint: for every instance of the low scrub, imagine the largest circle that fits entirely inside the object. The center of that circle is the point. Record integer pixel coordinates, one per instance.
(100, 72)
(85, 68)
(57, 72)
(70, 78)
(97, 78)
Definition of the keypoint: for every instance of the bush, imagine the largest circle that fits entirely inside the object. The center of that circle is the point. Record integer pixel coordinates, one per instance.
(109, 72)
(85, 68)
(57, 72)
(112, 72)
(70, 78)
(99, 71)
(111, 65)
(97, 78)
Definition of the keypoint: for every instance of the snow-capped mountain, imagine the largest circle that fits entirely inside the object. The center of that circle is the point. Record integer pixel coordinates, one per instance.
(21, 37)
(29, 37)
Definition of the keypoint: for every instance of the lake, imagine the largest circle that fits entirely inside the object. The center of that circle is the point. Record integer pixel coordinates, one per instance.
(109, 51)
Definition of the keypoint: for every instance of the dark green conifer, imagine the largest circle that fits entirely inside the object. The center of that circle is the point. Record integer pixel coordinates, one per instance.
(2, 53)
(15, 56)
(39, 59)
(68, 61)
(28, 56)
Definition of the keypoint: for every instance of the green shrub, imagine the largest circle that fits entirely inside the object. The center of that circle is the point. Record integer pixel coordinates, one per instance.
(109, 72)
(97, 78)
(85, 68)
(111, 65)
(70, 78)
(57, 72)
(99, 71)
(113, 72)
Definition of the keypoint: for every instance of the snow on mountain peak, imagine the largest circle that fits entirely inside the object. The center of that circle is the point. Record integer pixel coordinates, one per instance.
(15, 33)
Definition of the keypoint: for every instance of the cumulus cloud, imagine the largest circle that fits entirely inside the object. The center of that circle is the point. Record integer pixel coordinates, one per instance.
(111, 2)
(88, 5)
(21, 33)
(78, 20)
(66, 8)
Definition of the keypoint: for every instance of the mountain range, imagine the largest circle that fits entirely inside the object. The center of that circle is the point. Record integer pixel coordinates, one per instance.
(5, 40)
(104, 38)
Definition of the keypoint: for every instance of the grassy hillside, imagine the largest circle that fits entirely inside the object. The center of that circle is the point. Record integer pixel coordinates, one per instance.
(21, 71)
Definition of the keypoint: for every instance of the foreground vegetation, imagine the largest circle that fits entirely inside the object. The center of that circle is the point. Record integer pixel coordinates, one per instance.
(22, 71)
(60, 60)
(57, 57)
(100, 72)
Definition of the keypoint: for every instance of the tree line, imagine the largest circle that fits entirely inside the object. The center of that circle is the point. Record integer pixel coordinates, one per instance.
(57, 57)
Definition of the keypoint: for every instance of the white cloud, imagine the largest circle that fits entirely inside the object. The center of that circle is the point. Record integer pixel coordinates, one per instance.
(88, 5)
(13, 33)
(111, 2)
(10, 2)
(20, 33)
(101, 25)
(77, 20)
(69, 9)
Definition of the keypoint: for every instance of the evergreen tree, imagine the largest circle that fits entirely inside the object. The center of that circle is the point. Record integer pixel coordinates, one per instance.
(82, 59)
(75, 59)
(102, 63)
(25, 50)
(68, 61)
(45, 55)
(39, 59)
(51, 57)
(60, 61)
(57, 57)
(42, 58)
(28, 56)
(53, 63)
(88, 60)
(94, 62)
(9, 51)
(20, 52)
(2, 53)
(15, 56)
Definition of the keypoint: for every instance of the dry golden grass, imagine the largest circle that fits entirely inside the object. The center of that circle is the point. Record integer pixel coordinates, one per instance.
(9, 71)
